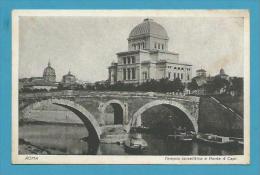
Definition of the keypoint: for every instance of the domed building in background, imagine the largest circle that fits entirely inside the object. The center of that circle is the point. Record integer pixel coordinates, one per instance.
(69, 81)
(222, 74)
(68, 78)
(148, 57)
(201, 73)
(49, 74)
(47, 81)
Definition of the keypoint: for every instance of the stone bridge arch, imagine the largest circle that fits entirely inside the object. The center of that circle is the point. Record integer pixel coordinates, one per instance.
(86, 117)
(137, 115)
(116, 104)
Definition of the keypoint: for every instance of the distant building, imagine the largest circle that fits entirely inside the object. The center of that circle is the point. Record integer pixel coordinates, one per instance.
(47, 81)
(222, 75)
(112, 71)
(148, 57)
(201, 73)
(49, 74)
(201, 80)
(40, 84)
(22, 82)
(69, 80)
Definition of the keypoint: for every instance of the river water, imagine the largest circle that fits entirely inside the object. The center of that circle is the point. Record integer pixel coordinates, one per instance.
(65, 139)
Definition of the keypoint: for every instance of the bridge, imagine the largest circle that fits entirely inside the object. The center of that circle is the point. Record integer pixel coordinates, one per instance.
(128, 107)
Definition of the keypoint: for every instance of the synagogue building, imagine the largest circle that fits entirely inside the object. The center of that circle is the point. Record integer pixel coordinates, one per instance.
(148, 57)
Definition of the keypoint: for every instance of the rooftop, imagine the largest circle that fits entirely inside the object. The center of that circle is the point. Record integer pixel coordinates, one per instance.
(148, 28)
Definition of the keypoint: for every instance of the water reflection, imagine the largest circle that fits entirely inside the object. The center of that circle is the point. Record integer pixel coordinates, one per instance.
(67, 139)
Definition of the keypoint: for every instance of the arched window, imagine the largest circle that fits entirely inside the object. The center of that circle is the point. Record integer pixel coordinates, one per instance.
(124, 59)
(124, 74)
(145, 77)
(128, 73)
(133, 59)
(128, 60)
(133, 73)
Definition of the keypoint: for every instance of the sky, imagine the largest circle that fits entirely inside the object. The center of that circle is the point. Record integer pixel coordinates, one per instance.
(87, 45)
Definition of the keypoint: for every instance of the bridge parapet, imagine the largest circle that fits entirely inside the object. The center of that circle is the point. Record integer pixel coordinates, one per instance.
(94, 103)
(67, 94)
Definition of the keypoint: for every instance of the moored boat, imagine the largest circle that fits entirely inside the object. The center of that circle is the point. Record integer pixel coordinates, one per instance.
(239, 141)
(215, 139)
(135, 144)
(182, 136)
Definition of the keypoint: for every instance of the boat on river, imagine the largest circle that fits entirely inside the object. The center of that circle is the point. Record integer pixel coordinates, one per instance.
(239, 141)
(135, 144)
(181, 136)
(215, 139)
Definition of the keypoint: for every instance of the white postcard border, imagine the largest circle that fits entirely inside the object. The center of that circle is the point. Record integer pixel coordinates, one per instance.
(129, 159)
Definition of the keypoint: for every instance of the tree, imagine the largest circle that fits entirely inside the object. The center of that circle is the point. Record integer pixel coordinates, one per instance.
(193, 85)
(163, 85)
(237, 85)
(220, 83)
(209, 86)
(178, 86)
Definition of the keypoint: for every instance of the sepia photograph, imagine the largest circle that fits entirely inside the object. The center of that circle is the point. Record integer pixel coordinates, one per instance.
(130, 87)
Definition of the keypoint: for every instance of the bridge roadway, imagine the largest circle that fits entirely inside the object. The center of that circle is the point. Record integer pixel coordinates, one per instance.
(90, 106)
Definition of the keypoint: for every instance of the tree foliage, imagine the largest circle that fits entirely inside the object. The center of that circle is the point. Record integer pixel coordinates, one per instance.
(163, 85)
(237, 85)
(193, 85)
(234, 85)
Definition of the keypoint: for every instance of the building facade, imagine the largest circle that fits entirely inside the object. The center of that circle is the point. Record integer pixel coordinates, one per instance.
(148, 57)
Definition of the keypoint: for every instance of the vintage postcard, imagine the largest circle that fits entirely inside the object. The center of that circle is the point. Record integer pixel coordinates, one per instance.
(130, 87)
